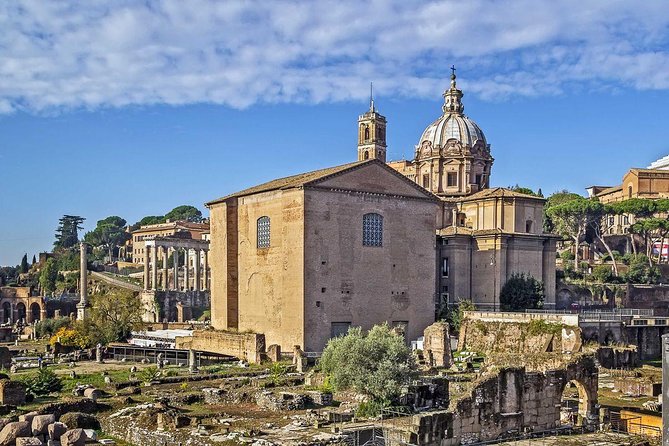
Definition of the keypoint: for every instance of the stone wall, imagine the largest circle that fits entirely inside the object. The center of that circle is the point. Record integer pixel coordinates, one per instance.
(247, 346)
(485, 336)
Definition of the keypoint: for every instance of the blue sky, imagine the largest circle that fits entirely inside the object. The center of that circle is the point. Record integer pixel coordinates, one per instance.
(132, 108)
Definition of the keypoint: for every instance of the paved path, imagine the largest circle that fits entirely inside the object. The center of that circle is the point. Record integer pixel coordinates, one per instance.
(116, 282)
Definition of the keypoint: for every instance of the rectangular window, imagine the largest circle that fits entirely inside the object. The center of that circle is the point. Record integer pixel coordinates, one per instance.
(339, 329)
(372, 230)
(478, 179)
(444, 267)
(426, 181)
(452, 179)
(626, 220)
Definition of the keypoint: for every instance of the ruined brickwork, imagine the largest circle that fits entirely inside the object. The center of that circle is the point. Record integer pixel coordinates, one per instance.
(437, 345)
(511, 400)
(518, 334)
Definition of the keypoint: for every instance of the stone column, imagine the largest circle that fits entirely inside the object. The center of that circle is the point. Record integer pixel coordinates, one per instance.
(83, 283)
(154, 267)
(665, 390)
(197, 270)
(166, 282)
(147, 284)
(186, 274)
(206, 269)
(175, 267)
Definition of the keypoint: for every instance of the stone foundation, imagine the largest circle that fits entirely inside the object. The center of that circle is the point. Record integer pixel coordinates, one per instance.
(247, 346)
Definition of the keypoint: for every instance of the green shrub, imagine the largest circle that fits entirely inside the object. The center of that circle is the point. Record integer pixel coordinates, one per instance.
(540, 326)
(521, 292)
(456, 313)
(149, 374)
(602, 273)
(43, 383)
(376, 364)
(49, 327)
(567, 256)
(640, 271)
(369, 409)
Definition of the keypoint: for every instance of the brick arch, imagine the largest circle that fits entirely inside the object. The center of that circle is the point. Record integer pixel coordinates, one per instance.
(584, 375)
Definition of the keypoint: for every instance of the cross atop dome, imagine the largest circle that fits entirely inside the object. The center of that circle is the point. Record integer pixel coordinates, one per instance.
(453, 97)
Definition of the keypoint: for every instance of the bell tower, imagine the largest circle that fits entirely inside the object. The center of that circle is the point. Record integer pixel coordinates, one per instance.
(372, 133)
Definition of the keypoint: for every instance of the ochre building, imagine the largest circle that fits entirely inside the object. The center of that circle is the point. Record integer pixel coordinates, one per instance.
(303, 258)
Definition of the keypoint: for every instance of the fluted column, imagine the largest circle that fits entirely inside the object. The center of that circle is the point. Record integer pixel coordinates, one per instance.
(175, 267)
(206, 269)
(166, 282)
(186, 273)
(198, 279)
(154, 267)
(147, 284)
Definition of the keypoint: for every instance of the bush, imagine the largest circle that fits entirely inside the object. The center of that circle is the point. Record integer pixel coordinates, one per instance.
(149, 374)
(521, 292)
(49, 327)
(456, 313)
(567, 256)
(602, 274)
(376, 364)
(43, 383)
(640, 271)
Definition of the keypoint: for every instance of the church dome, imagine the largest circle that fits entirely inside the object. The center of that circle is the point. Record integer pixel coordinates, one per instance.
(452, 124)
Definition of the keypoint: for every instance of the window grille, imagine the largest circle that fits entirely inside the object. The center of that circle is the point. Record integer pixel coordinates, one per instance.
(263, 232)
(372, 230)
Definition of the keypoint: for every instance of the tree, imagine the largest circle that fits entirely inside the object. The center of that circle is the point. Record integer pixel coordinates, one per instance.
(525, 190)
(115, 315)
(149, 220)
(48, 276)
(521, 292)
(34, 259)
(67, 233)
(184, 212)
(376, 364)
(457, 314)
(24, 264)
(651, 229)
(556, 199)
(572, 218)
(108, 234)
(639, 208)
(600, 224)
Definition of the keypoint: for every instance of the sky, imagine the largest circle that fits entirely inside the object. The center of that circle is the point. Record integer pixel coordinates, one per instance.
(132, 108)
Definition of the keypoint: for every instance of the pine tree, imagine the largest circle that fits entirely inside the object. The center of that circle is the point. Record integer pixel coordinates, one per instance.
(34, 259)
(67, 233)
(24, 264)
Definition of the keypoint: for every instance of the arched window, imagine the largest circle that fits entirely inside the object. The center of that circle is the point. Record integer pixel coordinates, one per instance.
(366, 156)
(372, 230)
(366, 133)
(263, 232)
(528, 226)
(629, 191)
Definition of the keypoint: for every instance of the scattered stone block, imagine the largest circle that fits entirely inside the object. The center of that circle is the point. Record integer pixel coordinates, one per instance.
(12, 431)
(74, 420)
(29, 441)
(28, 416)
(40, 423)
(92, 393)
(74, 437)
(56, 430)
(274, 353)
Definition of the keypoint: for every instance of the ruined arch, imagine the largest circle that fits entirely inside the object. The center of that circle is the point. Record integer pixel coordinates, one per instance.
(21, 312)
(576, 411)
(35, 312)
(7, 312)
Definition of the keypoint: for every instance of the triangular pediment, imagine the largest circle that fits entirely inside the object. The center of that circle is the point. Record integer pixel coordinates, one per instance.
(373, 177)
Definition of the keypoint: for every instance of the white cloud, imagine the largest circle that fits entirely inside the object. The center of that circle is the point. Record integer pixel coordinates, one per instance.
(56, 55)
